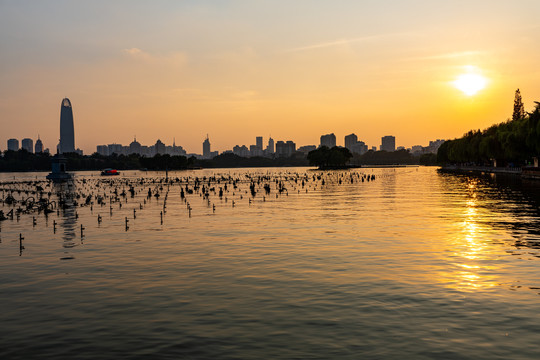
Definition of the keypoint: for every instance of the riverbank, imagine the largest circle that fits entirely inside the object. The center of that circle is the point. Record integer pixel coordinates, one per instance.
(525, 172)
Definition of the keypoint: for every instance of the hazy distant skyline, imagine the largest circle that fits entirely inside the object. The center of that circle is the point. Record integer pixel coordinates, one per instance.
(240, 69)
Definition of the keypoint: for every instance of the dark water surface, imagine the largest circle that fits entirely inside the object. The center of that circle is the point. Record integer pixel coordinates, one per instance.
(415, 264)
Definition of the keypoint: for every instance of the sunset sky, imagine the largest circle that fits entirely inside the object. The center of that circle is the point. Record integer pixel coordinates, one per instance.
(239, 69)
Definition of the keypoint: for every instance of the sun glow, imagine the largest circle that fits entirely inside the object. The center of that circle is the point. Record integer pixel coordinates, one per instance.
(470, 83)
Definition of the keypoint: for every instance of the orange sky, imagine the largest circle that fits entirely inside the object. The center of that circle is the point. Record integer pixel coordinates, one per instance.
(241, 69)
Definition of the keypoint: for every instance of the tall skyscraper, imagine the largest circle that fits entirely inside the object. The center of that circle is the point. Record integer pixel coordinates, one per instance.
(13, 144)
(39, 146)
(28, 145)
(350, 141)
(328, 140)
(206, 148)
(388, 143)
(258, 142)
(67, 132)
(270, 147)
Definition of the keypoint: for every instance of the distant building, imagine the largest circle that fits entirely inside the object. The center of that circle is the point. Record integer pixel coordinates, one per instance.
(259, 142)
(359, 148)
(388, 143)
(374, 148)
(355, 146)
(307, 148)
(255, 150)
(400, 148)
(102, 150)
(39, 146)
(177, 150)
(67, 132)
(350, 141)
(13, 144)
(285, 149)
(117, 149)
(417, 149)
(135, 147)
(270, 148)
(434, 146)
(242, 151)
(206, 148)
(28, 145)
(328, 140)
(159, 148)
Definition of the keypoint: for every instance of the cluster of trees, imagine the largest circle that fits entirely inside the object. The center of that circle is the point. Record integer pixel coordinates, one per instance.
(24, 161)
(229, 160)
(399, 157)
(323, 157)
(515, 141)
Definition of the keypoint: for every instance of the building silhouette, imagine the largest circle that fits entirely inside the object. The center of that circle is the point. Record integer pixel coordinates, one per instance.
(270, 147)
(328, 140)
(388, 143)
(307, 148)
(67, 132)
(350, 141)
(13, 144)
(135, 147)
(27, 144)
(355, 146)
(159, 147)
(285, 149)
(206, 148)
(39, 146)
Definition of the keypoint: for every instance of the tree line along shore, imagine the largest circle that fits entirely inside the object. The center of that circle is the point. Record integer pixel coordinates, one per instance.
(513, 143)
(21, 160)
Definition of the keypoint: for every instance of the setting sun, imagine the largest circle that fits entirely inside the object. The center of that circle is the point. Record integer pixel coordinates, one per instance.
(470, 83)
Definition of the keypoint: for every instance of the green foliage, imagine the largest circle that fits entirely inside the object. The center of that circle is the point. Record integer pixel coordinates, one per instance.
(514, 141)
(519, 109)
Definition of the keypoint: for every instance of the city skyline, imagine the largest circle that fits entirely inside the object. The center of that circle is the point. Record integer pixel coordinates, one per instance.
(188, 68)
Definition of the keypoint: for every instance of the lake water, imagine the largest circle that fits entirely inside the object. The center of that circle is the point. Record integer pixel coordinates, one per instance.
(414, 264)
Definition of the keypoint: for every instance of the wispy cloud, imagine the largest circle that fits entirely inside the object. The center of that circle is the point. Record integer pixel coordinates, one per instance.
(346, 41)
(446, 56)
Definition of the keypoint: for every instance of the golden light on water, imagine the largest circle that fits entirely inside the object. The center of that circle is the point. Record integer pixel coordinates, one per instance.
(471, 82)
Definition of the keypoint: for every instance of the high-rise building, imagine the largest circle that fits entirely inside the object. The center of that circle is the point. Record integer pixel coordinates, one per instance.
(135, 147)
(285, 149)
(270, 147)
(388, 143)
(28, 145)
(259, 142)
(359, 148)
(206, 148)
(328, 140)
(102, 150)
(117, 149)
(13, 144)
(67, 132)
(159, 148)
(39, 146)
(350, 141)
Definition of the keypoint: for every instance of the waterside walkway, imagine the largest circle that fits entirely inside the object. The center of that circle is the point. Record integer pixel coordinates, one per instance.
(525, 172)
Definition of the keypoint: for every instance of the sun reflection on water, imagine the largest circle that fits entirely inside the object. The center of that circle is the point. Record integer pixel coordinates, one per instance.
(470, 271)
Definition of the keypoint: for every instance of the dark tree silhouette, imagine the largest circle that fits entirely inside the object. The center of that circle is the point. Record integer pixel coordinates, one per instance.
(519, 109)
(325, 157)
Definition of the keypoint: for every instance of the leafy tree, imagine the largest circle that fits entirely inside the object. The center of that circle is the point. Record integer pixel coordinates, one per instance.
(519, 109)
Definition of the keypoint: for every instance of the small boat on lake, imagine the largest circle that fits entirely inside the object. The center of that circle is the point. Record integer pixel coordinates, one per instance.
(110, 172)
